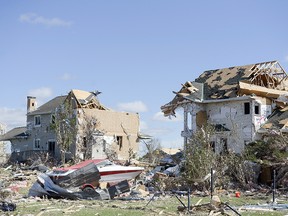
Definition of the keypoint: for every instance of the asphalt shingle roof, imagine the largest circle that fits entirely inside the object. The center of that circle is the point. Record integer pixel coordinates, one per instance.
(50, 106)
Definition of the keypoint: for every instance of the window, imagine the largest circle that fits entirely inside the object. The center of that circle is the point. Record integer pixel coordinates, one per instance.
(84, 142)
(53, 119)
(51, 146)
(257, 108)
(223, 142)
(212, 146)
(37, 121)
(37, 144)
(247, 108)
(119, 141)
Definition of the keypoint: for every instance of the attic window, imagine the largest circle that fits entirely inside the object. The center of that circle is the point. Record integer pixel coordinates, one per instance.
(247, 108)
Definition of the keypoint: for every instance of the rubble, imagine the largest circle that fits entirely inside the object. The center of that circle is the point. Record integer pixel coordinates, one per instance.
(153, 186)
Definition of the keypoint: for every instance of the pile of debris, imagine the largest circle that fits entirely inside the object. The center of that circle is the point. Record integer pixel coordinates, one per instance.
(13, 180)
(72, 185)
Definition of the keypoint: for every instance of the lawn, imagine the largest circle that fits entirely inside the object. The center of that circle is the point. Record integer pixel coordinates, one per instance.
(164, 205)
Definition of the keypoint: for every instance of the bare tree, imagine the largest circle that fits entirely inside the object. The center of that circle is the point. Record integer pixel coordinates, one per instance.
(64, 125)
(150, 147)
(89, 128)
(199, 155)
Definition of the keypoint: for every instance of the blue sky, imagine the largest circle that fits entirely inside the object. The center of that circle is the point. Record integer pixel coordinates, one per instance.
(136, 52)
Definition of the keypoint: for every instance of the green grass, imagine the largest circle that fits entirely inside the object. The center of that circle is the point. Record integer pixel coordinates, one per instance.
(163, 205)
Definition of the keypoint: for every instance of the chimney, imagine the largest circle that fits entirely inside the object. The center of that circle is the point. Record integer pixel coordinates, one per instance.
(31, 104)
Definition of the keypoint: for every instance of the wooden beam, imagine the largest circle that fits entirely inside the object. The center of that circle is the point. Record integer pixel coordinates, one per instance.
(246, 88)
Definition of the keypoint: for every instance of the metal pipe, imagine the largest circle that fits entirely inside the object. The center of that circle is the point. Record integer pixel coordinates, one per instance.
(234, 210)
(188, 199)
(211, 183)
(274, 185)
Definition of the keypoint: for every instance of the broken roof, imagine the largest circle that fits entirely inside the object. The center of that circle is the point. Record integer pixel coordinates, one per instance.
(86, 99)
(15, 133)
(83, 99)
(277, 120)
(225, 83)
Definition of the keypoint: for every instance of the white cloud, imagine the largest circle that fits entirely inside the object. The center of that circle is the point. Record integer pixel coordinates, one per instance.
(36, 19)
(12, 117)
(157, 132)
(135, 106)
(66, 76)
(159, 116)
(143, 125)
(41, 94)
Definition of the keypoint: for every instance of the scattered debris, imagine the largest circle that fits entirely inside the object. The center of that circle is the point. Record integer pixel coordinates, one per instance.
(5, 206)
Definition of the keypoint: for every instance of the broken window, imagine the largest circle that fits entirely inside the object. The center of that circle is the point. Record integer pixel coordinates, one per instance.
(257, 108)
(119, 140)
(85, 142)
(247, 108)
(37, 144)
(37, 121)
(212, 145)
(53, 119)
(223, 142)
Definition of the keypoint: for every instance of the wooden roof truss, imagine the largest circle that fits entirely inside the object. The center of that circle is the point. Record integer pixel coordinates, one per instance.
(267, 74)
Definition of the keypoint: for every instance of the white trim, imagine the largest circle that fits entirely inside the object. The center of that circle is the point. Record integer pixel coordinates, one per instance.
(38, 144)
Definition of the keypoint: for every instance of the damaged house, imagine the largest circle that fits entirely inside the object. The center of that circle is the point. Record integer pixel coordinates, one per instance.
(243, 103)
(115, 132)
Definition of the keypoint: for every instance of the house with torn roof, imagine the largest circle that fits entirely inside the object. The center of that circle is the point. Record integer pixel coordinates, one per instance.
(117, 131)
(243, 103)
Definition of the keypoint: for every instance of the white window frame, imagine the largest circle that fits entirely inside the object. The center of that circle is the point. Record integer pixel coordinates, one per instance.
(52, 119)
(36, 144)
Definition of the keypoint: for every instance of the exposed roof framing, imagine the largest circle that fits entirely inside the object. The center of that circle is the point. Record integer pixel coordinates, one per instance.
(86, 99)
(192, 89)
(267, 74)
(225, 83)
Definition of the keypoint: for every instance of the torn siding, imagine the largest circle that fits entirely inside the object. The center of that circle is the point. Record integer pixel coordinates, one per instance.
(231, 115)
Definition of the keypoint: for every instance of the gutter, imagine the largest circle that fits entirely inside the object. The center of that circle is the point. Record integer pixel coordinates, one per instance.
(220, 100)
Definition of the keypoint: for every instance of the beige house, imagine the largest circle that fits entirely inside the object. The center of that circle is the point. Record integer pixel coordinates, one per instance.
(243, 103)
(114, 132)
